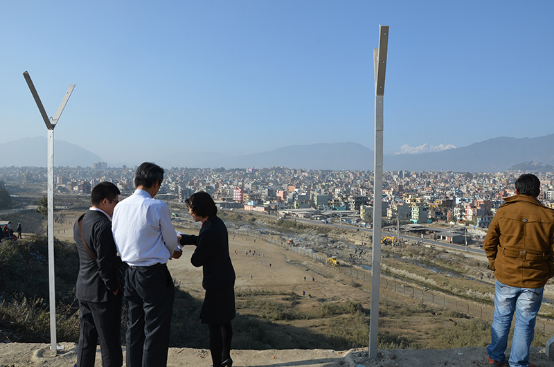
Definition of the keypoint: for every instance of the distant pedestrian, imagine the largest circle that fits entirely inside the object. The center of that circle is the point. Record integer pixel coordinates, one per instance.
(304, 278)
(270, 265)
(19, 230)
(303, 293)
(313, 279)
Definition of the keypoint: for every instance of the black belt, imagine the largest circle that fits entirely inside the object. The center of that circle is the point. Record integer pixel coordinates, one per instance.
(146, 267)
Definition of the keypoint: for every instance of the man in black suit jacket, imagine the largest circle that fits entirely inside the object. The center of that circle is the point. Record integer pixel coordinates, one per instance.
(97, 288)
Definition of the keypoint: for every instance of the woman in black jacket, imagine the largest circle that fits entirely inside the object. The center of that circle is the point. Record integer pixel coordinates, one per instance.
(212, 253)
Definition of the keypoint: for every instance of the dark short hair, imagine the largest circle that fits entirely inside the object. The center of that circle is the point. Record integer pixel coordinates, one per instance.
(528, 184)
(202, 204)
(148, 174)
(104, 190)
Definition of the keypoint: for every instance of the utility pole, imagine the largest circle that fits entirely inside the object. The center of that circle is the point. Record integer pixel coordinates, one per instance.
(465, 237)
(380, 64)
(50, 157)
(397, 226)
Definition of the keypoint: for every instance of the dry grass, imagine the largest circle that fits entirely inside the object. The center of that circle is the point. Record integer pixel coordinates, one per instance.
(265, 319)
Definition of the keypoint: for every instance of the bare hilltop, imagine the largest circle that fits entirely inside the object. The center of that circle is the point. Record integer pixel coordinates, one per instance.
(275, 271)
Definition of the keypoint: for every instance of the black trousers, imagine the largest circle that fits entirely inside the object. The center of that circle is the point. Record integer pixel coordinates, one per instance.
(149, 292)
(100, 321)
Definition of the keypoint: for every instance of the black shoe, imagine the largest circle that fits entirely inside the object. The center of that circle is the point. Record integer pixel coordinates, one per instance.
(227, 363)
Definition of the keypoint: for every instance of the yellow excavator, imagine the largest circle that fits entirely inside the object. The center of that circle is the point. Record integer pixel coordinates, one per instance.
(333, 261)
(388, 240)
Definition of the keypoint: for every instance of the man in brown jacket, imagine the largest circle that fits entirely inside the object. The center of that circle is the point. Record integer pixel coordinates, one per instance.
(519, 246)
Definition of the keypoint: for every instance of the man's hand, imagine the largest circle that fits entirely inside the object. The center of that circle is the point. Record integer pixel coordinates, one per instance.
(177, 254)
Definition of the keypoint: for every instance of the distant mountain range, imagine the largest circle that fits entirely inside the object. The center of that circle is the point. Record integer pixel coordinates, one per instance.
(32, 152)
(493, 155)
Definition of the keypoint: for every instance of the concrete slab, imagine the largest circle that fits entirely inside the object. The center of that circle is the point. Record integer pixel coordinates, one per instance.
(549, 349)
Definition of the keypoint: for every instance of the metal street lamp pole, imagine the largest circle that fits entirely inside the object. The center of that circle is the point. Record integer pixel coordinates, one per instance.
(380, 63)
(50, 157)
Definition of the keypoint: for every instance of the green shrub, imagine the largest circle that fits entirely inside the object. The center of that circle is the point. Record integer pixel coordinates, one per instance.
(28, 320)
(353, 307)
(24, 269)
(386, 340)
(463, 333)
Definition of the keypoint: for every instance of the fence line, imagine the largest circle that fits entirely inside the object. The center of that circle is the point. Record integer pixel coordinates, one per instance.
(427, 296)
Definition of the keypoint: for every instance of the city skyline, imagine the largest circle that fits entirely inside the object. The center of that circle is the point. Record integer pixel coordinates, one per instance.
(246, 76)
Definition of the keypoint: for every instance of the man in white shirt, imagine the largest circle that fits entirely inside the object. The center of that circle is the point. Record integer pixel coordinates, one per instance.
(146, 240)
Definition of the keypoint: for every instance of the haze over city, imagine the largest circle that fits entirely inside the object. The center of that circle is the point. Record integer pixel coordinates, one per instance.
(236, 77)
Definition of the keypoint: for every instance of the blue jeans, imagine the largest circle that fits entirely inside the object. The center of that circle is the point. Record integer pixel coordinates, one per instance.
(526, 303)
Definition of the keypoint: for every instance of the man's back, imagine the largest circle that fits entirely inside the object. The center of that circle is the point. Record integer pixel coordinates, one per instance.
(519, 242)
(95, 278)
(146, 239)
(142, 230)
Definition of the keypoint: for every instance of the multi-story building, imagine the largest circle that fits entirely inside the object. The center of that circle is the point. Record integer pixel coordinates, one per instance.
(84, 187)
(184, 193)
(366, 213)
(100, 166)
(484, 221)
(355, 202)
(282, 194)
(321, 201)
(420, 214)
(238, 194)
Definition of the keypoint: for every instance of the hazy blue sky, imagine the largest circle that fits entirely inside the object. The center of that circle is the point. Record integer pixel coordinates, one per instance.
(156, 78)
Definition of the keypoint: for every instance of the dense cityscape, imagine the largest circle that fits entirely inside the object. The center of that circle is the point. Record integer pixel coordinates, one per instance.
(410, 197)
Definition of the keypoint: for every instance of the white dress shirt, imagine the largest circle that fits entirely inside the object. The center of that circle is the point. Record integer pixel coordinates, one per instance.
(100, 210)
(143, 231)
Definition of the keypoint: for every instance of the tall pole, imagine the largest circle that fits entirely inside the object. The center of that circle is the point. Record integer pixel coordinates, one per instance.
(50, 159)
(397, 225)
(465, 237)
(380, 63)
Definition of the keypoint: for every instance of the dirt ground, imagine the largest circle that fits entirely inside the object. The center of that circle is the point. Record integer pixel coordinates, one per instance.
(289, 272)
(24, 355)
